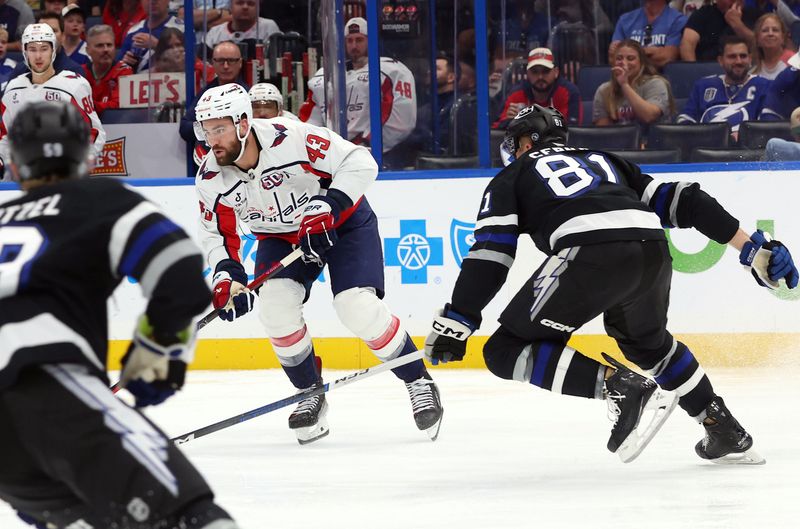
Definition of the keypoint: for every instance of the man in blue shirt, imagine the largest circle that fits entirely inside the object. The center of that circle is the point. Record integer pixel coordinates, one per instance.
(137, 46)
(733, 97)
(656, 26)
(14, 16)
(783, 95)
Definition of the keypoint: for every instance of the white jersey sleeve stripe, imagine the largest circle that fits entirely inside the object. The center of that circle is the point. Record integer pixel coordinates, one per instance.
(505, 220)
(650, 190)
(122, 231)
(673, 207)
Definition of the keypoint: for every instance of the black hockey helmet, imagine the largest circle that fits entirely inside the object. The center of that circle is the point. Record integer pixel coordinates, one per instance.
(540, 124)
(49, 137)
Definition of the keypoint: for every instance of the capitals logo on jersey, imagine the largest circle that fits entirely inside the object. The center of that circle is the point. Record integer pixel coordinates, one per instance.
(714, 101)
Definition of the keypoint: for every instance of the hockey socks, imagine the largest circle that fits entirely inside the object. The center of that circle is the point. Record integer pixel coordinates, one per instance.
(680, 372)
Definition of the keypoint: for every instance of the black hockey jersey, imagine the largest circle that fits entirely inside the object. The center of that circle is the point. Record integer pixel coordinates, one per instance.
(564, 197)
(63, 250)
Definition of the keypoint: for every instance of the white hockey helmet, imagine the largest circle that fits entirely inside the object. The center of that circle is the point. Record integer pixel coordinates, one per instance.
(266, 92)
(226, 101)
(38, 33)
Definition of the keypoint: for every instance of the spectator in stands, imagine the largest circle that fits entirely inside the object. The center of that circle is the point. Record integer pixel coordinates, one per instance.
(573, 39)
(72, 39)
(6, 64)
(783, 94)
(687, 7)
(92, 8)
(635, 93)
(771, 51)
(207, 14)
(122, 15)
(733, 97)
(446, 76)
(53, 6)
(524, 27)
(227, 61)
(710, 23)
(169, 55)
(245, 26)
(142, 38)
(544, 87)
(102, 72)
(268, 102)
(398, 94)
(780, 150)
(14, 16)
(656, 26)
(62, 62)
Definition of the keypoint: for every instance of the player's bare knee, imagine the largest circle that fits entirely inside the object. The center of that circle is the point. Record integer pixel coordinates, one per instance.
(368, 317)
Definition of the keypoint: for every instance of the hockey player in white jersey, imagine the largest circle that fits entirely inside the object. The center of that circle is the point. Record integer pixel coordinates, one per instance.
(268, 102)
(293, 183)
(42, 83)
(398, 93)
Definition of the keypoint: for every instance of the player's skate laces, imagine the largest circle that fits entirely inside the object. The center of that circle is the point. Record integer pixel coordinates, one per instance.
(726, 442)
(630, 396)
(308, 420)
(426, 405)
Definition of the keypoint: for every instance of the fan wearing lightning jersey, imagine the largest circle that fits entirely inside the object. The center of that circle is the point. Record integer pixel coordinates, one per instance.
(734, 97)
(398, 93)
(599, 220)
(293, 183)
(71, 453)
(42, 83)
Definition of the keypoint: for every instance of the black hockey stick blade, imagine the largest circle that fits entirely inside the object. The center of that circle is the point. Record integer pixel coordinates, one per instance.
(310, 392)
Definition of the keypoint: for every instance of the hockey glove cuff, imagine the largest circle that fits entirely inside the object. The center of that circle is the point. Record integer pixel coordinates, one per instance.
(768, 261)
(231, 296)
(154, 367)
(448, 338)
(317, 234)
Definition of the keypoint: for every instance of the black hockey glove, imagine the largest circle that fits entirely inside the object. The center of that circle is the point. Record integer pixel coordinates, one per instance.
(154, 367)
(768, 261)
(447, 341)
(317, 234)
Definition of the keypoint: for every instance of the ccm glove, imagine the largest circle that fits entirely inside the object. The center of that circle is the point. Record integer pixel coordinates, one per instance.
(448, 339)
(154, 367)
(317, 234)
(768, 261)
(231, 296)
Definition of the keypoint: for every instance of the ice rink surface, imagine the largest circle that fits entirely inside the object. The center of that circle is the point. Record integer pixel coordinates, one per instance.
(509, 456)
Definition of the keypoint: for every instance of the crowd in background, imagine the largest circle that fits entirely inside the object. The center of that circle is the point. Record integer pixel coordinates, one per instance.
(540, 52)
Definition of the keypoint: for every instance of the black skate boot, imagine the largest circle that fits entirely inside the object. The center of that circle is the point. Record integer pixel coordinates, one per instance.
(309, 419)
(726, 442)
(426, 405)
(629, 395)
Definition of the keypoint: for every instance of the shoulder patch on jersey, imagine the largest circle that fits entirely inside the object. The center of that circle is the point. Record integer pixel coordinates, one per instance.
(280, 134)
(205, 172)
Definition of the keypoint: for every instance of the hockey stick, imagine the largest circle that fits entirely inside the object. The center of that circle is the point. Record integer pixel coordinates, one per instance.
(310, 392)
(257, 282)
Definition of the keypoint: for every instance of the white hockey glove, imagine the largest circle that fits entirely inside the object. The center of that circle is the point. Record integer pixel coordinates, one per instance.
(448, 339)
(154, 368)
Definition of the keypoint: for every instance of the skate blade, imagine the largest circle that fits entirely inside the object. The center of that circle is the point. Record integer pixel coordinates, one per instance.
(748, 457)
(309, 434)
(433, 431)
(661, 404)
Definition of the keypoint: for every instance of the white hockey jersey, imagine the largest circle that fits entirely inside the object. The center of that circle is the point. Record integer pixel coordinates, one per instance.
(260, 31)
(297, 161)
(398, 103)
(64, 86)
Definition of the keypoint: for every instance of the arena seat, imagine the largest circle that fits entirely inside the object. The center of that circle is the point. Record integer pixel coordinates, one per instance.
(650, 156)
(682, 75)
(447, 162)
(93, 21)
(726, 155)
(589, 78)
(755, 134)
(686, 137)
(463, 128)
(619, 137)
(113, 116)
(588, 108)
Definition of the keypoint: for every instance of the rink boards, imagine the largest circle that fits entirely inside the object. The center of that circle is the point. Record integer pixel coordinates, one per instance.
(426, 230)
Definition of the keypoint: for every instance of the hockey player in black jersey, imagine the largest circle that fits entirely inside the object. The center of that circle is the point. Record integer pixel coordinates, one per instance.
(71, 454)
(599, 220)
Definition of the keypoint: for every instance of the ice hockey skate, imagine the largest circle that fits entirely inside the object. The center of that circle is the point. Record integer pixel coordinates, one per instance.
(726, 442)
(426, 405)
(630, 397)
(309, 420)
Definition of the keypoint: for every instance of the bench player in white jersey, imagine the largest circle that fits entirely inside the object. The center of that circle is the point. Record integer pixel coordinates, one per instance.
(398, 93)
(268, 102)
(42, 83)
(293, 183)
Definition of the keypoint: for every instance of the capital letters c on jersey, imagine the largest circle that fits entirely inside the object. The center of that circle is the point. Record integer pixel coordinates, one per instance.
(315, 146)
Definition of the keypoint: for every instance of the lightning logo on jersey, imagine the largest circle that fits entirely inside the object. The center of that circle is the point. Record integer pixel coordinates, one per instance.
(714, 101)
